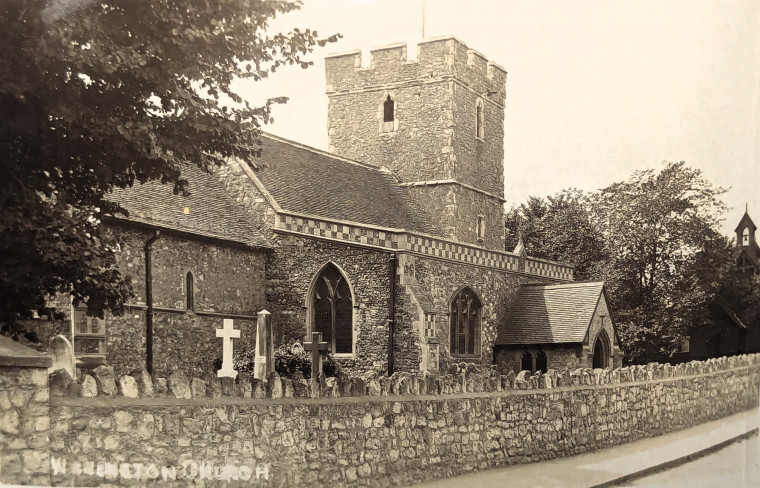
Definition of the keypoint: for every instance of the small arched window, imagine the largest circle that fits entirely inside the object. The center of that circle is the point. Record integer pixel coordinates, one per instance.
(388, 110)
(527, 362)
(466, 310)
(481, 227)
(480, 119)
(745, 237)
(541, 362)
(189, 292)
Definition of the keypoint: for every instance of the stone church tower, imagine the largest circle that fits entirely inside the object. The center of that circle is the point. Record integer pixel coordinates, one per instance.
(437, 122)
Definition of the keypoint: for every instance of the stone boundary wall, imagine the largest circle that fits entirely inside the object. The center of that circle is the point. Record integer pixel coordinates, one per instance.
(354, 431)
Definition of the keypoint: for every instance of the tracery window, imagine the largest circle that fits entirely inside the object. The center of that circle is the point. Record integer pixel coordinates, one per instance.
(89, 335)
(466, 311)
(332, 310)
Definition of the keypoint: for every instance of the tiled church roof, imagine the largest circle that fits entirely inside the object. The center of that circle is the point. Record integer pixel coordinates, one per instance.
(308, 181)
(551, 314)
(210, 210)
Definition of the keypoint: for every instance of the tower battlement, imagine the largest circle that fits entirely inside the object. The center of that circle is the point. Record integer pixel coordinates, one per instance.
(438, 58)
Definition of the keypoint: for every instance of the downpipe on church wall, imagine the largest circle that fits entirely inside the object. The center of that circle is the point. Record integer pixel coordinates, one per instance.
(149, 301)
(392, 313)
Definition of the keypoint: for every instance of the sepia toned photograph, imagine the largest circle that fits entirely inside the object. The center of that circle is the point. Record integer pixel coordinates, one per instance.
(380, 243)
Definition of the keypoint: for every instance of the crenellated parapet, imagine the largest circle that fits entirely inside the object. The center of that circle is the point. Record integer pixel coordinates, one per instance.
(437, 59)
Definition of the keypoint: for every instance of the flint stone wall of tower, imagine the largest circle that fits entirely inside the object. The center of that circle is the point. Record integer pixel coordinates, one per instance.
(433, 136)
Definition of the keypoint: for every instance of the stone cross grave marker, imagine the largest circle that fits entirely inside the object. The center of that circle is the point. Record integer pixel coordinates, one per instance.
(264, 359)
(227, 333)
(316, 346)
(63, 354)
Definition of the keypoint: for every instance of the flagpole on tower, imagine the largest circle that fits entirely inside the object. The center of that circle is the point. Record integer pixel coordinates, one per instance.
(423, 19)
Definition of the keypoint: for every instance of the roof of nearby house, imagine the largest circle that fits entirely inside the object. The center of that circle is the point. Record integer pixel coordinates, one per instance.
(551, 314)
(211, 212)
(309, 181)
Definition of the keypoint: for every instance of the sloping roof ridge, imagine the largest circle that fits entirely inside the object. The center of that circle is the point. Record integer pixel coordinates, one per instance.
(379, 169)
(564, 285)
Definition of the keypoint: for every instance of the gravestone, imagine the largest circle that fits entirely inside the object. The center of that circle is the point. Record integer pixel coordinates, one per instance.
(62, 354)
(227, 333)
(316, 346)
(264, 359)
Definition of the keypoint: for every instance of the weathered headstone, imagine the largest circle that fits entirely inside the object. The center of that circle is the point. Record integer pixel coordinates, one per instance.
(144, 383)
(128, 387)
(227, 333)
(88, 388)
(179, 386)
(198, 388)
(104, 377)
(59, 383)
(62, 354)
(264, 359)
(316, 346)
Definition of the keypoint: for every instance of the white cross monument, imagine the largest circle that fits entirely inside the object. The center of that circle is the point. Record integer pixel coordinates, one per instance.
(227, 333)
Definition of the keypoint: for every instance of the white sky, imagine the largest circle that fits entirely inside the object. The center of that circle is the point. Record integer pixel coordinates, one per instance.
(596, 88)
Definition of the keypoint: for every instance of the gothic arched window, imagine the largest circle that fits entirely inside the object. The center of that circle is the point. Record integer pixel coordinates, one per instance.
(388, 110)
(527, 362)
(332, 310)
(541, 362)
(189, 292)
(466, 312)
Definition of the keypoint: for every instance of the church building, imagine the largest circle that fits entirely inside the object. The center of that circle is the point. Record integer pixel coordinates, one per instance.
(391, 243)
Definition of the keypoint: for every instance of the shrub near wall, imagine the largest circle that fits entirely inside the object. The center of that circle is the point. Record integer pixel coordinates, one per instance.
(379, 431)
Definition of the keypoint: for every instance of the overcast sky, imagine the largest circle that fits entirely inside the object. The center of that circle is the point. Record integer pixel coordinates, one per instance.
(596, 88)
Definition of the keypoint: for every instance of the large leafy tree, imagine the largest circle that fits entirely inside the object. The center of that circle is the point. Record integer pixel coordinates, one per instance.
(102, 94)
(561, 228)
(656, 225)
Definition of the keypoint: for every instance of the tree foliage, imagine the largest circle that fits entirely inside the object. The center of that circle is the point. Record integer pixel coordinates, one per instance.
(654, 240)
(97, 95)
(560, 228)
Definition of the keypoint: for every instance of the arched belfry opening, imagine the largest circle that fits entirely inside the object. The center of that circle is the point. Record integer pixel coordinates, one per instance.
(331, 306)
(601, 351)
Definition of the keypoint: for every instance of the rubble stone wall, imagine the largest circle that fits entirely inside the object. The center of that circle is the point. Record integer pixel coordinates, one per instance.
(351, 431)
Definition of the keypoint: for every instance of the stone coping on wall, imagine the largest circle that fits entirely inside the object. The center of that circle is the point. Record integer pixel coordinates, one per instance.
(397, 240)
(140, 388)
(14, 354)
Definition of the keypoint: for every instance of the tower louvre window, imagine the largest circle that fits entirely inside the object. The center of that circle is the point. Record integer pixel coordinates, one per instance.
(481, 227)
(388, 109)
(480, 119)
